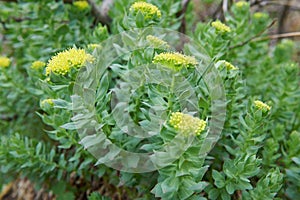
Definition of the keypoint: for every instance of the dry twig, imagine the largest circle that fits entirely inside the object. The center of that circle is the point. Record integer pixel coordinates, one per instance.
(181, 13)
(254, 37)
(276, 36)
(101, 13)
(282, 17)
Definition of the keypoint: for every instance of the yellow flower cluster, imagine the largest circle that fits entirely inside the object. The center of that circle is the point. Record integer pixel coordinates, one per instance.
(175, 60)
(260, 15)
(81, 5)
(148, 10)
(156, 42)
(241, 4)
(4, 61)
(262, 106)
(64, 61)
(229, 66)
(47, 101)
(38, 65)
(187, 124)
(219, 26)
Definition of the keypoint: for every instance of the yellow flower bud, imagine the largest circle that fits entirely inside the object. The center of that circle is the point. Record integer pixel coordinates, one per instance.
(47, 101)
(38, 65)
(93, 46)
(81, 5)
(187, 124)
(156, 42)
(4, 61)
(260, 15)
(262, 106)
(175, 60)
(219, 26)
(241, 4)
(229, 66)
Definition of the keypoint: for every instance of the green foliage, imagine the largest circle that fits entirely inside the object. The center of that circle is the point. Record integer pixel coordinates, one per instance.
(97, 196)
(256, 157)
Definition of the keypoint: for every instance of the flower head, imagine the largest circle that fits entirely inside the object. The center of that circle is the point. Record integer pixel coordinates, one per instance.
(148, 10)
(47, 102)
(64, 61)
(187, 124)
(93, 46)
(229, 66)
(156, 42)
(262, 106)
(241, 4)
(219, 26)
(81, 5)
(38, 65)
(4, 61)
(175, 60)
(260, 15)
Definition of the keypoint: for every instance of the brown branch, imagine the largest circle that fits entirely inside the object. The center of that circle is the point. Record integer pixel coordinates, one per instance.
(256, 2)
(286, 3)
(19, 19)
(181, 13)
(8, 118)
(218, 13)
(225, 6)
(282, 17)
(101, 13)
(254, 37)
(276, 36)
(278, 3)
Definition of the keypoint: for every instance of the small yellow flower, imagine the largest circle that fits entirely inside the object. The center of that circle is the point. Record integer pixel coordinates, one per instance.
(260, 15)
(47, 101)
(93, 46)
(81, 5)
(229, 66)
(187, 124)
(157, 42)
(175, 60)
(262, 106)
(148, 10)
(64, 61)
(4, 61)
(219, 26)
(38, 65)
(241, 4)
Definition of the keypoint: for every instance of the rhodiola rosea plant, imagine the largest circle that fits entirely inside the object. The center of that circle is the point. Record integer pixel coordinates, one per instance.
(136, 110)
